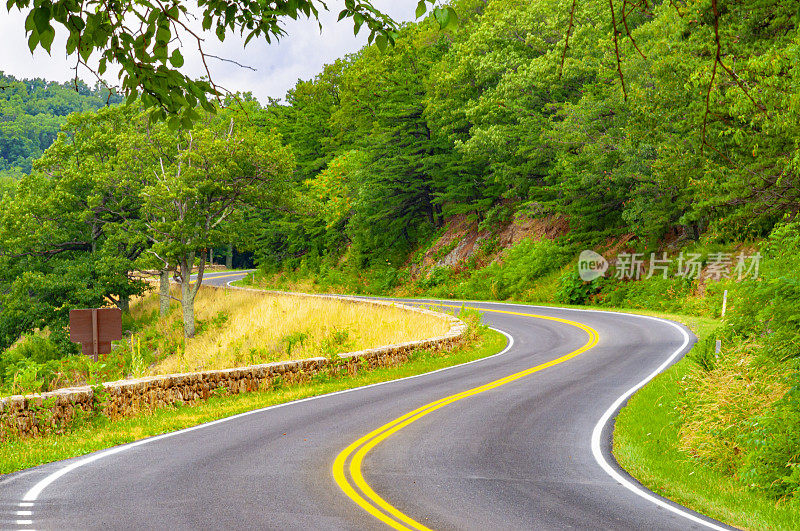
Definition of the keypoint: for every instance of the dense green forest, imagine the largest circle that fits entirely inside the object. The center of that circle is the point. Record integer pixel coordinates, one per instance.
(32, 112)
(632, 126)
(506, 116)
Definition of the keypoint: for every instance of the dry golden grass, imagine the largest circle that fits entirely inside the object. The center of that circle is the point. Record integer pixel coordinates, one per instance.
(723, 403)
(237, 328)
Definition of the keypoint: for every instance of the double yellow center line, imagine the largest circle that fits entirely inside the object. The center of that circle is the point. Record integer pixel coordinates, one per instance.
(347, 466)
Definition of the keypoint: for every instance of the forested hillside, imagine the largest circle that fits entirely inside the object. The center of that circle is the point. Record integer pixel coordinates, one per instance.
(525, 109)
(31, 113)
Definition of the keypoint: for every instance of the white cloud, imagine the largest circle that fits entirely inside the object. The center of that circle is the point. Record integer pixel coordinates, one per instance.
(299, 55)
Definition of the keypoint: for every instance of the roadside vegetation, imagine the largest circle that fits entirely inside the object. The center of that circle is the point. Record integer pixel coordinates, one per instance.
(240, 328)
(718, 431)
(235, 328)
(472, 164)
(536, 271)
(97, 432)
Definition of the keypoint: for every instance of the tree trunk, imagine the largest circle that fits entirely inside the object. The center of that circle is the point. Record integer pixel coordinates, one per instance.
(124, 303)
(229, 258)
(163, 293)
(187, 305)
(189, 291)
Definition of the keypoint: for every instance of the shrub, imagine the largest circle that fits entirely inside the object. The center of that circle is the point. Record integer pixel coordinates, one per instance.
(574, 290)
(436, 277)
(656, 293)
(26, 366)
(520, 268)
(381, 279)
(769, 306)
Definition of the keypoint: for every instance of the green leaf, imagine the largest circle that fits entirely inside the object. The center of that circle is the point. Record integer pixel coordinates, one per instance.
(358, 20)
(29, 24)
(421, 9)
(76, 22)
(60, 13)
(72, 43)
(452, 23)
(33, 40)
(46, 38)
(163, 34)
(176, 58)
(41, 18)
(85, 51)
(382, 42)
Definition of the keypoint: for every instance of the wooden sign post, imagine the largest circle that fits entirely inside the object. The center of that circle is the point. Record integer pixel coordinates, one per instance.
(95, 328)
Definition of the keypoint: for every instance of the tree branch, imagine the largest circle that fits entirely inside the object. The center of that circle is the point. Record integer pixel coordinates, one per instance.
(566, 40)
(616, 48)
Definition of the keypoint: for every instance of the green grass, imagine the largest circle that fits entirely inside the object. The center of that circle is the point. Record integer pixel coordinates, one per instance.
(646, 445)
(99, 433)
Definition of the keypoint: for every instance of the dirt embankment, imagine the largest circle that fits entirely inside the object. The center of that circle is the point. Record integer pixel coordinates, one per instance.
(464, 240)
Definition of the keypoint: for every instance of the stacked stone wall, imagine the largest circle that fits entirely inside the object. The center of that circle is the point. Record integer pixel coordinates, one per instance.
(53, 412)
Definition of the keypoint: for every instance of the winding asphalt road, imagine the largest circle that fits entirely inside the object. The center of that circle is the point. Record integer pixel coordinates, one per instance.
(515, 456)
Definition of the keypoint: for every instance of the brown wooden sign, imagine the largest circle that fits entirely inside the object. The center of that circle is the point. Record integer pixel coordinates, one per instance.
(95, 329)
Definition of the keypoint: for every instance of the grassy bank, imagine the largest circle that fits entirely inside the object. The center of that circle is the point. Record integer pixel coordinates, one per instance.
(240, 328)
(97, 433)
(234, 329)
(647, 444)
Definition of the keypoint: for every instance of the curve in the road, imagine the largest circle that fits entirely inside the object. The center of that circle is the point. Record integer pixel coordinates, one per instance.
(351, 480)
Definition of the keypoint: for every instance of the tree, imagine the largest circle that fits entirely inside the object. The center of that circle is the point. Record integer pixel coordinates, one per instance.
(144, 39)
(381, 113)
(203, 180)
(62, 242)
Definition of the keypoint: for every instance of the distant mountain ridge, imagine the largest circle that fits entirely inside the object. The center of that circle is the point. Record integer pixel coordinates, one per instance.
(31, 114)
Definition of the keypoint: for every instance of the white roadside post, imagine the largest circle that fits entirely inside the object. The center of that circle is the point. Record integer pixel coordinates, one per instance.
(718, 347)
(724, 302)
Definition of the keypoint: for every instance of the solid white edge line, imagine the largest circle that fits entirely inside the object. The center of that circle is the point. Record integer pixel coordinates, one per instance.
(597, 435)
(597, 432)
(35, 491)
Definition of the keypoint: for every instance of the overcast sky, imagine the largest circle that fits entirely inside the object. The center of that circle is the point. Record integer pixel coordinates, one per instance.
(299, 55)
